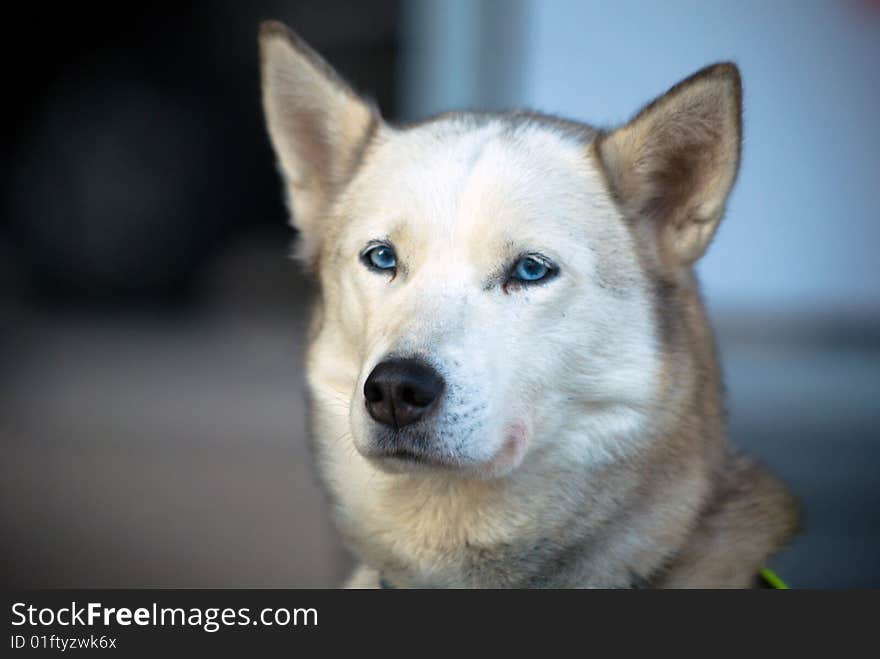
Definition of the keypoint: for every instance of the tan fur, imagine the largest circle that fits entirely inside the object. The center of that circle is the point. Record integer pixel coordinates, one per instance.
(580, 441)
(673, 165)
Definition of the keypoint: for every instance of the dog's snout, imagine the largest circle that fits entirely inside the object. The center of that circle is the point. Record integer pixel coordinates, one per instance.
(399, 392)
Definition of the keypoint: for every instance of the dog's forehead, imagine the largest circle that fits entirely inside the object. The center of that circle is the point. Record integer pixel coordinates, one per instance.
(493, 176)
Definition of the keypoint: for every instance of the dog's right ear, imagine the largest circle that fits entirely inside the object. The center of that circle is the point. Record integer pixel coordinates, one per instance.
(317, 125)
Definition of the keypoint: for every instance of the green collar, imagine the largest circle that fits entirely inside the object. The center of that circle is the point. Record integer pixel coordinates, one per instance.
(769, 579)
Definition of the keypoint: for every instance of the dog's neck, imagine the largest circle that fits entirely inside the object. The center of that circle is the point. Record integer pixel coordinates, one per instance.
(639, 523)
(438, 531)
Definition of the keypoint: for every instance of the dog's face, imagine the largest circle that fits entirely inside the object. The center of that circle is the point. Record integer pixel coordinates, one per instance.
(480, 263)
(490, 283)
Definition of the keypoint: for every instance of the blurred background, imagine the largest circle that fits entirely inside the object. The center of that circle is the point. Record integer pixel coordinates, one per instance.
(151, 408)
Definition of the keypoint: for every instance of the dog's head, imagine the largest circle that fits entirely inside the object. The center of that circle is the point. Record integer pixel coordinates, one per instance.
(490, 282)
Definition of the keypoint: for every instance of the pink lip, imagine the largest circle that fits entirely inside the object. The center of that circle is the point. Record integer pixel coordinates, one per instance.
(511, 451)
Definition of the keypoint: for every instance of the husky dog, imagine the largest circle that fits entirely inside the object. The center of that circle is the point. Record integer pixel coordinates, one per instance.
(512, 379)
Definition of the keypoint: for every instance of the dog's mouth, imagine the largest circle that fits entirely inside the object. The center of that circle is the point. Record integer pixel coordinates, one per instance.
(405, 455)
(397, 459)
(406, 452)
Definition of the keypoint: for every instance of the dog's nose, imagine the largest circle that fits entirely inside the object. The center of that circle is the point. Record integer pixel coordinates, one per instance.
(399, 392)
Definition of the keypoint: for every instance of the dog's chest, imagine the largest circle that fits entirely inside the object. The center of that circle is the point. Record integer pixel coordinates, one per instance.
(488, 539)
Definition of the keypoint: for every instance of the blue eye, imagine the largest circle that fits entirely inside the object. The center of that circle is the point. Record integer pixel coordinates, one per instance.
(380, 257)
(529, 269)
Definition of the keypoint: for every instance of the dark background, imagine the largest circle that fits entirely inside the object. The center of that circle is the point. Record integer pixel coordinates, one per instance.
(151, 411)
(137, 150)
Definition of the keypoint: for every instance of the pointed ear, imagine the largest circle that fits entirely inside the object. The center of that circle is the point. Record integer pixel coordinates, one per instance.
(316, 123)
(672, 167)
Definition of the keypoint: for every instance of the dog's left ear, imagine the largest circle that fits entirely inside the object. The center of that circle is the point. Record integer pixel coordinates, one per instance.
(672, 167)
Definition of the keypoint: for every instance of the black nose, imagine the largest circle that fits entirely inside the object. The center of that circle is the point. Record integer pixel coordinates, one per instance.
(399, 392)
